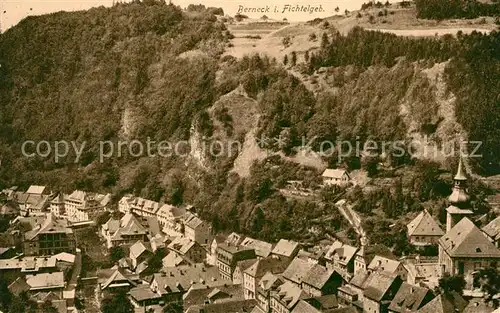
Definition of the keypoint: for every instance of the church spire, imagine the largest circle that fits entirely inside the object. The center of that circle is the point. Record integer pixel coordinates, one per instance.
(460, 171)
(459, 196)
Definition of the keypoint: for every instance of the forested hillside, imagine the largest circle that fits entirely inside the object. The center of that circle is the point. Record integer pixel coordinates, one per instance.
(150, 70)
(443, 9)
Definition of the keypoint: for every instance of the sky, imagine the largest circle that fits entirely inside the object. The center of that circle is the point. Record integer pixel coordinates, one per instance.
(12, 11)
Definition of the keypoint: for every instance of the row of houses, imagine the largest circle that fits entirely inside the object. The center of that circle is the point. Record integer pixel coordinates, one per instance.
(78, 206)
(42, 279)
(174, 221)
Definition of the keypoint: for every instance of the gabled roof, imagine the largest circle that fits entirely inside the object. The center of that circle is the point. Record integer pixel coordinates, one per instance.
(243, 265)
(37, 190)
(297, 270)
(445, 303)
(409, 298)
(111, 225)
(493, 229)
(360, 280)
(262, 248)
(380, 263)
(19, 285)
(286, 248)
(270, 281)
(424, 225)
(345, 253)
(378, 284)
(331, 250)
(45, 280)
(290, 294)
(138, 248)
(173, 259)
(269, 264)
(466, 240)
(334, 173)
(143, 292)
(171, 211)
(214, 294)
(318, 276)
(304, 307)
(193, 221)
(118, 278)
(65, 257)
(175, 279)
(130, 225)
(182, 245)
(50, 225)
(234, 239)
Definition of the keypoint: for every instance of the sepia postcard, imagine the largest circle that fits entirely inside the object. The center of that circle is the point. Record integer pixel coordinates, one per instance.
(237, 156)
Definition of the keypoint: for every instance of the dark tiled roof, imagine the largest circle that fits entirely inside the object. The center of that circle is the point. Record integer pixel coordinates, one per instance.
(445, 303)
(318, 276)
(297, 270)
(409, 298)
(378, 284)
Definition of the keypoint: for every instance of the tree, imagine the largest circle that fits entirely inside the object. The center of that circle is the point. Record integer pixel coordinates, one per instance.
(5, 296)
(285, 59)
(450, 283)
(155, 263)
(264, 18)
(117, 304)
(293, 60)
(116, 253)
(488, 280)
(337, 9)
(324, 41)
(258, 221)
(306, 56)
(47, 307)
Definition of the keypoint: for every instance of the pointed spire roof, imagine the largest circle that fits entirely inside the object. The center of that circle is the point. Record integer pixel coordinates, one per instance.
(460, 171)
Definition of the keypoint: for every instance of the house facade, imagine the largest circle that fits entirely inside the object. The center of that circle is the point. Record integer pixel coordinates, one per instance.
(465, 249)
(335, 177)
(49, 237)
(424, 230)
(228, 256)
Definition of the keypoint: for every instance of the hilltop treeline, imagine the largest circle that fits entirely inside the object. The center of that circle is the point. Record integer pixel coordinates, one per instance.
(473, 74)
(443, 9)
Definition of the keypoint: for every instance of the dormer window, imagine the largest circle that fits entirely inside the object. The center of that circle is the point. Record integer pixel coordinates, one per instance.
(478, 250)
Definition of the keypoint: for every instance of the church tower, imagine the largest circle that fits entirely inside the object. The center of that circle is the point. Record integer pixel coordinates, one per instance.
(459, 199)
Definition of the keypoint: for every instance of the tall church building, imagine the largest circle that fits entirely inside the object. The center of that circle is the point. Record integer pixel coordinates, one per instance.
(459, 200)
(464, 248)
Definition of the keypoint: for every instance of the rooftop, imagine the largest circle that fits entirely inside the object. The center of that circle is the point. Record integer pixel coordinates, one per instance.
(466, 240)
(297, 270)
(380, 263)
(318, 276)
(45, 281)
(334, 173)
(445, 303)
(424, 225)
(378, 284)
(410, 298)
(492, 229)
(269, 264)
(286, 248)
